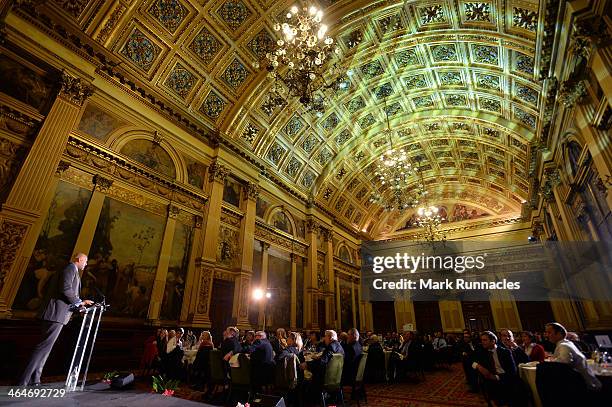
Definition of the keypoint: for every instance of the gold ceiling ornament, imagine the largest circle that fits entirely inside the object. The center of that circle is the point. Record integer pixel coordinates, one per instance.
(298, 63)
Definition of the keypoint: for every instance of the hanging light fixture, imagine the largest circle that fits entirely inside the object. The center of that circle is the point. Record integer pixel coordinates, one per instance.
(392, 171)
(297, 65)
(429, 219)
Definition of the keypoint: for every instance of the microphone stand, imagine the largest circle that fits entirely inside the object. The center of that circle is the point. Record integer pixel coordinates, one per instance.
(83, 342)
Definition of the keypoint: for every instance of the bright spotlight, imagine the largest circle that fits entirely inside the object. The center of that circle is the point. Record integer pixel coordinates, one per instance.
(258, 294)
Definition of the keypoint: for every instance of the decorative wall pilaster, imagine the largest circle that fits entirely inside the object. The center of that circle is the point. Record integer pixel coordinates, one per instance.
(293, 316)
(205, 265)
(331, 315)
(310, 276)
(159, 284)
(90, 221)
(20, 216)
(242, 288)
(265, 261)
(451, 316)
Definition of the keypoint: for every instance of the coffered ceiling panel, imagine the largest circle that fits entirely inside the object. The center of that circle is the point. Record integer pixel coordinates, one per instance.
(457, 79)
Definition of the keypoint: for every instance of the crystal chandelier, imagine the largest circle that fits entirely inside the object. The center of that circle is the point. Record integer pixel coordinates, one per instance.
(392, 172)
(297, 63)
(430, 219)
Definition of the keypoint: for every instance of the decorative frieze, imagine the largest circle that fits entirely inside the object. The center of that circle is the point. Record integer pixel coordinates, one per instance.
(267, 234)
(11, 238)
(135, 174)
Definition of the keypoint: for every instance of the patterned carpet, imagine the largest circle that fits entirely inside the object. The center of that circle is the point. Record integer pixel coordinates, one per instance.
(440, 388)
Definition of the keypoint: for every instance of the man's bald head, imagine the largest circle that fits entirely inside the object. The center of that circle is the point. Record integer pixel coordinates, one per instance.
(80, 260)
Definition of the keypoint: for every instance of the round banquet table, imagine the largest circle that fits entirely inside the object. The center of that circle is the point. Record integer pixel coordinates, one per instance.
(527, 372)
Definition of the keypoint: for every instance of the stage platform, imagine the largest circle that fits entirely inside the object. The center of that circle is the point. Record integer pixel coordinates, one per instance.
(96, 394)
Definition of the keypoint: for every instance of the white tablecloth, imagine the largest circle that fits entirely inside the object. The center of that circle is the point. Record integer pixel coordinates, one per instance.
(527, 372)
(189, 355)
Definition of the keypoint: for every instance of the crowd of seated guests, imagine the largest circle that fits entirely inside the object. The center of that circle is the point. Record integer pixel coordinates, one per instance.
(490, 361)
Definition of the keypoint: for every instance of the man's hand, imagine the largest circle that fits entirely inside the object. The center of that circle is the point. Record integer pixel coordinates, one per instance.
(87, 303)
(228, 356)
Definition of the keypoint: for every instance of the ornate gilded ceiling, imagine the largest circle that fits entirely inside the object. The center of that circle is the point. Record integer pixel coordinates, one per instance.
(457, 78)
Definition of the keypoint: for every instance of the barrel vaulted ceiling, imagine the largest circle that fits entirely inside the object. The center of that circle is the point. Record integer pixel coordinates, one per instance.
(457, 78)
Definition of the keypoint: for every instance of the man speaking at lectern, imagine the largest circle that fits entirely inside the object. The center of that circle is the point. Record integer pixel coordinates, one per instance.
(61, 299)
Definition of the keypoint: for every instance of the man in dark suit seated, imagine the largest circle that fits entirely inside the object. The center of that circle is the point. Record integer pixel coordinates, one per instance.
(352, 350)
(406, 357)
(61, 299)
(318, 365)
(467, 349)
(497, 367)
(262, 360)
(230, 344)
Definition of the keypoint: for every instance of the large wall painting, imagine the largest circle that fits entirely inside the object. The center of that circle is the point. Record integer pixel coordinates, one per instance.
(55, 243)
(457, 213)
(346, 305)
(97, 123)
(261, 207)
(26, 85)
(177, 272)
(124, 256)
(279, 280)
(281, 221)
(195, 172)
(150, 154)
(231, 192)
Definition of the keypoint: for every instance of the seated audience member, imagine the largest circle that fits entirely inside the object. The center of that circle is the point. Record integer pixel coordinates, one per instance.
(507, 338)
(498, 369)
(343, 338)
(534, 351)
(542, 339)
(294, 347)
(567, 352)
(467, 350)
(279, 342)
(249, 338)
(352, 350)
(439, 342)
(174, 357)
(407, 356)
(314, 344)
(262, 360)
(318, 365)
(375, 368)
(150, 352)
(230, 344)
(575, 339)
(202, 360)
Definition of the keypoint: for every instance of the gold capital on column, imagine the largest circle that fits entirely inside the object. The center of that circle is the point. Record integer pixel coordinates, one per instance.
(327, 234)
(251, 191)
(312, 226)
(62, 167)
(265, 246)
(73, 90)
(173, 211)
(217, 172)
(102, 184)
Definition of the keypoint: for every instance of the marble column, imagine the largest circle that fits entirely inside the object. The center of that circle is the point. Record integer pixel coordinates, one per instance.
(22, 214)
(353, 304)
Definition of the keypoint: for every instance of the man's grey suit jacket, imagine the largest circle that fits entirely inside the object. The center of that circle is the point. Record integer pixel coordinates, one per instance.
(61, 293)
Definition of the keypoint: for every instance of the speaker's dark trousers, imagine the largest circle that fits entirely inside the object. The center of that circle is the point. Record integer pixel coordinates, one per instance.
(50, 331)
